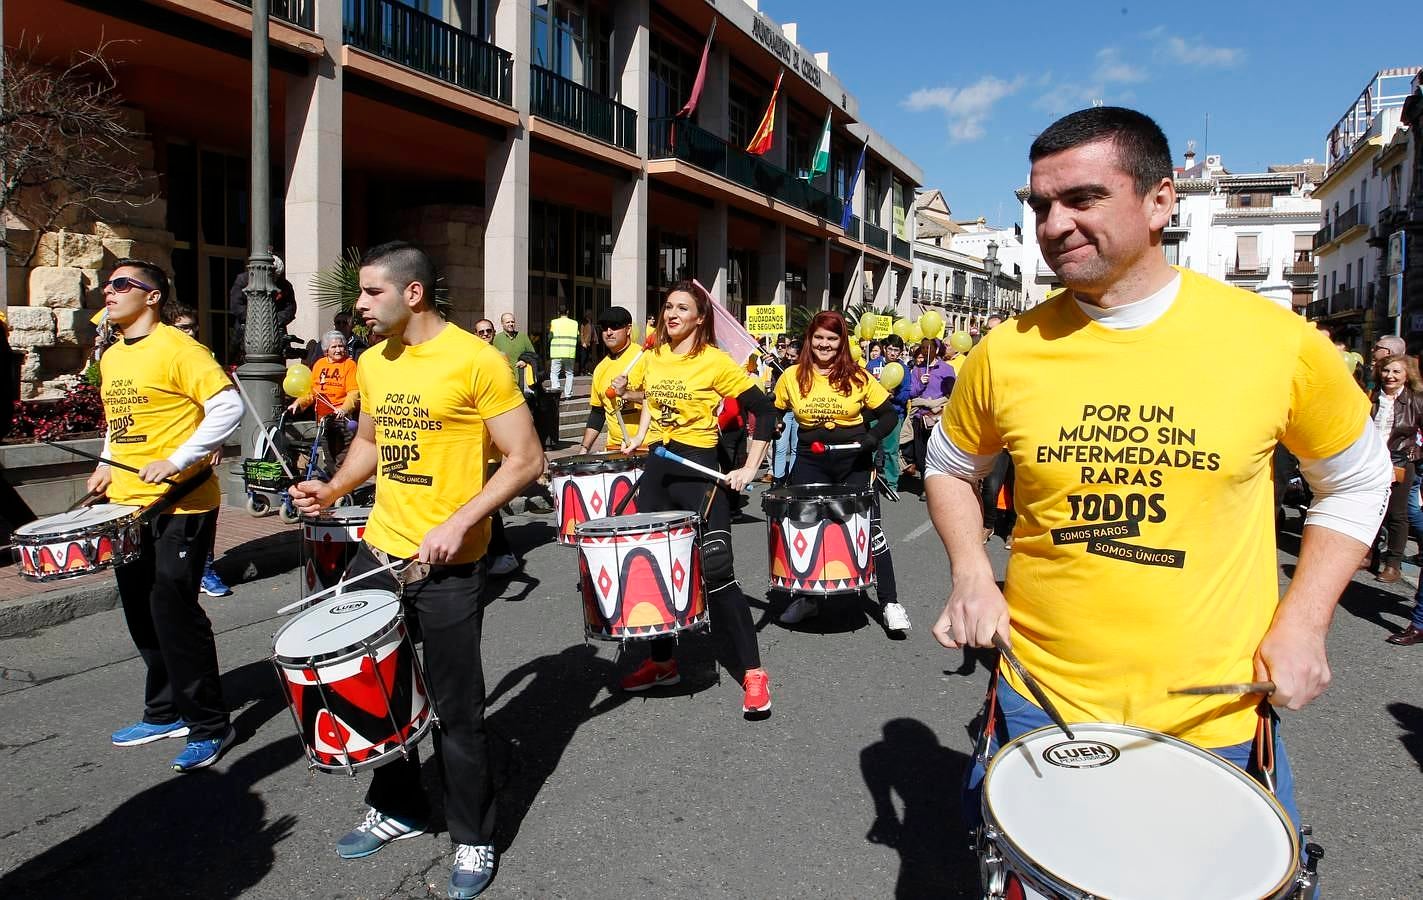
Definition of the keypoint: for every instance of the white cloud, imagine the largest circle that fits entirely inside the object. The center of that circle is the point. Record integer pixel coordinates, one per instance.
(1112, 69)
(967, 107)
(1193, 52)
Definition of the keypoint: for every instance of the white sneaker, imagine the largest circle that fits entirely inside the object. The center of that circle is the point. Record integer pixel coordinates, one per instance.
(896, 618)
(801, 609)
(504, 565)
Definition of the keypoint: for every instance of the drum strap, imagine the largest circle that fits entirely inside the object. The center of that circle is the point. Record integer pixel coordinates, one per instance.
(1265, 745)
(990, 720)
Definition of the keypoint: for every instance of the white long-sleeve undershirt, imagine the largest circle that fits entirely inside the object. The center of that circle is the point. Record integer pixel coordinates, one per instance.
(222, 413)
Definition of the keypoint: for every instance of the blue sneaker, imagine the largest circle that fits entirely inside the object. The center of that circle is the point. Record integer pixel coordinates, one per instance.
(473, 871)
(214, 586)
(201, 754)
(375, 831)
(146, 733)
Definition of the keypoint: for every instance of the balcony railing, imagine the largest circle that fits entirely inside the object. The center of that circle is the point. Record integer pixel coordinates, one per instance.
(1323, 235)
(1343, 300)
(1317, 309)
(899, 247)
(1238, 271)
(876, 237)
(854, 230)
(297, 12)
(403, 35)
(680, 139)
(1300, 267)
(570, 104)
(1350, 219)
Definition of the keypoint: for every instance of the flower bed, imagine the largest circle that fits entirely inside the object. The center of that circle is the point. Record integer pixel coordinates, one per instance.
(78, 414)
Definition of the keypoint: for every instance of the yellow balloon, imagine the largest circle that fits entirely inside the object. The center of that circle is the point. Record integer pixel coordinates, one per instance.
(932, 324)
(961, 341)
(913, 334)
(868, 323)
(901, 327)
(297, 382)
(855, 352)
(891, 375)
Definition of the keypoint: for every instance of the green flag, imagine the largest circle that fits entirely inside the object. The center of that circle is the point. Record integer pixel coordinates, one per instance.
(820, 162)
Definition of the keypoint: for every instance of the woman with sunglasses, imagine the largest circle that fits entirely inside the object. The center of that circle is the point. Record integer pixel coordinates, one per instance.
(832, 397)
(687, 377)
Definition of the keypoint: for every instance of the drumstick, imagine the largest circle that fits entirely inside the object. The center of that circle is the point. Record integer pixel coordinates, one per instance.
(99, 459)
(1032, 684)
(663, 452)
(1242, 687)
(262, 430)
(610, 392)
(308, 601)
(817, 447)
(86, 500)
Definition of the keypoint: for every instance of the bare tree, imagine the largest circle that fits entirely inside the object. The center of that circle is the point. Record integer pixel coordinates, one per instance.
(66, 150)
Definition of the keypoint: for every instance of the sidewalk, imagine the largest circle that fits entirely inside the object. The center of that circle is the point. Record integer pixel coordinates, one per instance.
(246, 548)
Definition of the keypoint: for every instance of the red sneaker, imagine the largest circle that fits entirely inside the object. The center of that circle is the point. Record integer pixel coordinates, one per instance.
(758, 691)
(651, 674)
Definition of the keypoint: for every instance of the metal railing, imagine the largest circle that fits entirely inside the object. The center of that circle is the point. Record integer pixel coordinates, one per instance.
(854, 230)
(1238, 271)
(899, 247)
(1301, 267)
(406, 36)
(876, 236)
(1350, 219)
(680, 139)
(1317, 309)
(1323, 235)
(1342, 300)
(301, 13)
(570, 104)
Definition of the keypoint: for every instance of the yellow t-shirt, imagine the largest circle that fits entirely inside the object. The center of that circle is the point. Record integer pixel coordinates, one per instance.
(429, 403)
(825, 407)
(684, 392)
(611, 367)
(154, 390)
(1144, 554)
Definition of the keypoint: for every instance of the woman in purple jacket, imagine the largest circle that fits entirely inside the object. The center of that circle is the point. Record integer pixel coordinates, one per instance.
(930, 382)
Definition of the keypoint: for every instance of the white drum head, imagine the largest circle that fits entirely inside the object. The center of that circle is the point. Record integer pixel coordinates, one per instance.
(1125, 812)
(337, 624)
(639, 522)
(77, 519)
(342, 516)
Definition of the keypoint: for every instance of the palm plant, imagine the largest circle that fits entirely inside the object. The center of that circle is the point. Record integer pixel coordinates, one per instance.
(339, 285)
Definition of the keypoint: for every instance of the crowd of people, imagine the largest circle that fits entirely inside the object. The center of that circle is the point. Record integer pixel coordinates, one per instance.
(1121, 544)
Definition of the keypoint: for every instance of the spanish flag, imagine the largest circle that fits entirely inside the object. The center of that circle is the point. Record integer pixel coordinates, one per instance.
(761, 140)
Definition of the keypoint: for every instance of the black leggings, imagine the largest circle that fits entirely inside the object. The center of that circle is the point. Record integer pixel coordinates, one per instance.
(666, 486)
(852, 470)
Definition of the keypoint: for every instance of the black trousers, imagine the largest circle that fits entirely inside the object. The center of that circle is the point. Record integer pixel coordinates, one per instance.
(445, 609)
(1395, 519)
(852, 470)
(666, 486)
(1002, 472)
(921, 427)
(159, 592)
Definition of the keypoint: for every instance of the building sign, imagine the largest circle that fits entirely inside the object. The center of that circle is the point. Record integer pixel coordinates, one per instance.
(1393, 259)
(767, 319)
(1395, 295)
(772, 39)
(883, 326)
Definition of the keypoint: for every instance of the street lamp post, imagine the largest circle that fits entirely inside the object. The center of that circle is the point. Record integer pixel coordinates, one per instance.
(991, 263)
(262, 368)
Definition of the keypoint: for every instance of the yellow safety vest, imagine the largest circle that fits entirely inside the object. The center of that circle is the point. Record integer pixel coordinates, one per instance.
(563, 340)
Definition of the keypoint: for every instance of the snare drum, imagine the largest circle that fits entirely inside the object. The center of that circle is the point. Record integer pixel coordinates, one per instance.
(640, 576)
(1127, 812)
(590, 486)
(78, 542)
(353, 681)
(819, 536)
(328, 544)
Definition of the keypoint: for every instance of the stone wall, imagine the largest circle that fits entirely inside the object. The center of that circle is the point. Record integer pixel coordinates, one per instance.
(53, 298)
(453, 235)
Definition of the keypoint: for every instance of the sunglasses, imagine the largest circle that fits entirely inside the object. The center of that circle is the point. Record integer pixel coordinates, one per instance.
(484, 331)
(124, 283)
(616, 327)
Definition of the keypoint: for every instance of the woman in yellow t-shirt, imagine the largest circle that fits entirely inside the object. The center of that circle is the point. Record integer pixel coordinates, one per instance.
(685, 379)
(832, 398)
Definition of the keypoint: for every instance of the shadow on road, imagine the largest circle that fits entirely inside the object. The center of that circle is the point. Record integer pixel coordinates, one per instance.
(255, 684)
(532, 730)
(200, 835)
(933, 845)
(1410, 720)
(1364, 601)
(263, 557)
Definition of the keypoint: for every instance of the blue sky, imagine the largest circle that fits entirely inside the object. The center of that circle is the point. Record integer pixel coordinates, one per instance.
(963, 88)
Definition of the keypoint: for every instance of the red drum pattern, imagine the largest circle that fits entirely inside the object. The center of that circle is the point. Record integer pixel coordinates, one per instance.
(641, 576)
(819, 539)
(78, 542)
(590, 486)
(328, 544)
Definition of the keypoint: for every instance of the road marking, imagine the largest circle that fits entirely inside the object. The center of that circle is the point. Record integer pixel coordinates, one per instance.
(918, 532)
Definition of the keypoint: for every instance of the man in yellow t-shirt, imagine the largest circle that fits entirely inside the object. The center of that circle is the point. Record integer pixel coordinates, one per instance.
(621, 371)
(1144, 556)
(434, 398)
(168, 405)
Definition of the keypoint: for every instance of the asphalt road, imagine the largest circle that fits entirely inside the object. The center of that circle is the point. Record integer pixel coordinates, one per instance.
(602, 795)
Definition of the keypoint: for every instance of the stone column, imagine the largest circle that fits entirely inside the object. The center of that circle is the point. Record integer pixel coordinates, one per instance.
(854, 282)
(884, 293)
(506, 179)
(817, 275)
(771, 268)
(712, 251)
(313, 174)
(630, 42)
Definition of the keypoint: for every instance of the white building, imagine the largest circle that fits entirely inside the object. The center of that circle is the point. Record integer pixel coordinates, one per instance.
(1254, 230)
(957, 265)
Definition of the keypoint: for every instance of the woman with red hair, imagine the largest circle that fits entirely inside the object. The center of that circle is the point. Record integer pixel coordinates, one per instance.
(832, 397)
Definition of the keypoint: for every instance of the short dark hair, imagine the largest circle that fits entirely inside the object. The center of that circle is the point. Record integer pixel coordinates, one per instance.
(406, 264)
(893, 340)
(179, 311)
(1142, 149)
(151, 275)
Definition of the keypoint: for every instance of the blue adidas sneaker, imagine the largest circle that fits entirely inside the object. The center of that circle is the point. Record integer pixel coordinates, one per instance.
(147, 732)
(201, 754)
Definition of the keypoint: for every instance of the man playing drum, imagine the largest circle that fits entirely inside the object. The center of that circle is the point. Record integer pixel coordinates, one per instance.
(620, 372)
(1144, 555)
(432, 396)
(169, 406)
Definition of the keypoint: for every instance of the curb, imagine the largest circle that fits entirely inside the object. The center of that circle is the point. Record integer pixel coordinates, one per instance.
(19, 617)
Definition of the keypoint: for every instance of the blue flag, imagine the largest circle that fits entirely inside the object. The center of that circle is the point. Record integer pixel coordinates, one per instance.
(850, 195)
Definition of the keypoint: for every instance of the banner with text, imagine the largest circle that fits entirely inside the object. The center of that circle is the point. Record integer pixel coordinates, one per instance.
(767, 319)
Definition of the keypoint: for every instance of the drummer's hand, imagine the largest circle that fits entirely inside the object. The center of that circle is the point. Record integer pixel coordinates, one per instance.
(1293, 656)
(633, 443)
(311, 497)
(619, 385)
(442, 543)
(215, 458)
(100, 480)
(156, 471)
(975, 610)
(737, 479)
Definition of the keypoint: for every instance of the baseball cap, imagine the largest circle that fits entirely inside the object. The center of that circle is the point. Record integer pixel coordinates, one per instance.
(614, 317)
